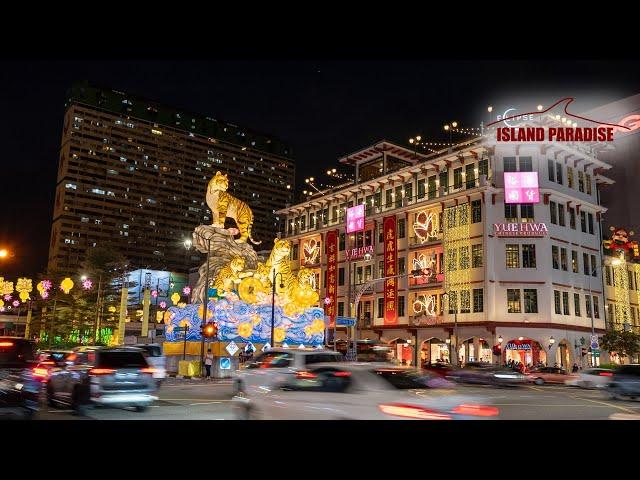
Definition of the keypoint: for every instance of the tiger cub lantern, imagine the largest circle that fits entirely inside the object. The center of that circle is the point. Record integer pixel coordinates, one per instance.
(223, 205)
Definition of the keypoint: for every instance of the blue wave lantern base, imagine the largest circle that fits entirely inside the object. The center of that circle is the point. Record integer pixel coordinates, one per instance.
(243, 322)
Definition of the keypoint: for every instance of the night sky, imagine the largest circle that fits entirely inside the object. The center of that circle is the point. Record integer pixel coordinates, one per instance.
(324, 109)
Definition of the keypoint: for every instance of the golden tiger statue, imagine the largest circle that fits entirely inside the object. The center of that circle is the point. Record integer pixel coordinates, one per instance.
(223, 205)
(278, 262)
(303, 293)
(229, 275)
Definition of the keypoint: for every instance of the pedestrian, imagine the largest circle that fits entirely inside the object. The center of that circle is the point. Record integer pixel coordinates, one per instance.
(575, 368)
(208, 362)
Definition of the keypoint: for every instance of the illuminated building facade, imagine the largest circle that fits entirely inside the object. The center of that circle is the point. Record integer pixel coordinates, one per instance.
(530, 289)
(133, 174)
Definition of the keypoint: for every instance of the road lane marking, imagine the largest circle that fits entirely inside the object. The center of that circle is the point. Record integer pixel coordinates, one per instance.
(610, 405)
(190, 400)
(541, 405)
(204, 403)
(59, 411)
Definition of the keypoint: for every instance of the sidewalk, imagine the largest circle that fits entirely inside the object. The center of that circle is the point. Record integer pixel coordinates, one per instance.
(174, 379)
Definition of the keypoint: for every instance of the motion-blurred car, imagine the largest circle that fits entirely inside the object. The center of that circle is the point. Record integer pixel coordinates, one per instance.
(114, 376)
(18, 387)
(156, 359)
(360, 391)
(439, 369)
(486, 374)
(543, 375)
(47, 361)
(625, 382)
(591, 378)
(278, 364)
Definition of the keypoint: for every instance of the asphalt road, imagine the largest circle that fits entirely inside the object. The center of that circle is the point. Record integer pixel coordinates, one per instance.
(197, 400)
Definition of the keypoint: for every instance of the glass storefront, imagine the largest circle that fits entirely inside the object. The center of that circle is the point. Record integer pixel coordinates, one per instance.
(434, 351)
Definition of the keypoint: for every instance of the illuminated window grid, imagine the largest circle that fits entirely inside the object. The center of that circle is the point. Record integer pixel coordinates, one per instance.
(621, 290)
(456, 237)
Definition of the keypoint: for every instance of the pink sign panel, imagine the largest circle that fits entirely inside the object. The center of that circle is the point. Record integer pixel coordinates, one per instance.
(521, 187)
(355, 218)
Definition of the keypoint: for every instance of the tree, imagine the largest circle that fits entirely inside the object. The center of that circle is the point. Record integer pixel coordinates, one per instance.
(624, 343)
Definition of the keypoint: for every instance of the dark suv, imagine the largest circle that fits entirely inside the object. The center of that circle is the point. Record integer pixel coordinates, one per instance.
(18, 388)
(115, 376)
(625, 382)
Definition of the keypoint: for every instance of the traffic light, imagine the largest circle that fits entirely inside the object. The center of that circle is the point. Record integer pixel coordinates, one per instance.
(210, 330)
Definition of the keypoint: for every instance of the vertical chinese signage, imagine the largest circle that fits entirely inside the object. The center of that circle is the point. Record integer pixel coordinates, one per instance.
(355, 219)
(390, 265)
(521, 187)
(332, 275)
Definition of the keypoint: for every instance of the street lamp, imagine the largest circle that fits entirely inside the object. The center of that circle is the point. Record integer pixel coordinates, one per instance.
(415, 142)
(551, 342)
(446, 296)
(273, 304)
(449, 127)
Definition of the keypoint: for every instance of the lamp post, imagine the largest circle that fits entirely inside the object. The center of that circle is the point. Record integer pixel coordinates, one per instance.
(500, 340)
(446, 296)
(551, 342)
(448, 128)
(273, 304)
(415, 142)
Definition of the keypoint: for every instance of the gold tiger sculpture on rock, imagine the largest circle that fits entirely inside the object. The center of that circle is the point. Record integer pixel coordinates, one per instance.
(223, 205)
(230, 274)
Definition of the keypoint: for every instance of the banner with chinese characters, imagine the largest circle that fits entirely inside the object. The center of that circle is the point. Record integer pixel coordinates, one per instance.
(390, 269)
(330, 304)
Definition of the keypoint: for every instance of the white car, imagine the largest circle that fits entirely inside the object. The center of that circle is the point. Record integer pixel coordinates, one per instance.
(278, 364)
(591, 378)
(360, 391)
(156, 359)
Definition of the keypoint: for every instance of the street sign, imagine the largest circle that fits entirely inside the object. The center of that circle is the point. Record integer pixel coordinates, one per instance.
(594, 338)
(181, 329)
(232, 348)
(595, 345)
(284, 345)
(266, 347)
(596, 354)
(225, 363)
(345, 321)
(249, 348)
(301, 347)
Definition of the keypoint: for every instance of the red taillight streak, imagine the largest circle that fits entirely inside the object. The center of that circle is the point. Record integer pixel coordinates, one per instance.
(410, 411)
(476, 410)
(40, 372)
(6, 344)
(47, 363)
(101, 371)
(606, 374)
(305, 375)
(342, 374)
(148, 370)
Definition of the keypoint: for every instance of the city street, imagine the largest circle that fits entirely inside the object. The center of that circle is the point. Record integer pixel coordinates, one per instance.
(194, 400)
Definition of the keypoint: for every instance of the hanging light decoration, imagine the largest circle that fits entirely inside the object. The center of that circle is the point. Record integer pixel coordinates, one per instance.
(175, 298)
(24, 286)
(16, 303)
(154, 293)
(7, 297)
(87, 284)
(186, 290)
(163, 305)
(66, 285)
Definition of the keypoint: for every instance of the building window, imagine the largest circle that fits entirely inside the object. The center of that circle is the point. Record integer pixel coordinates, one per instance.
(465, 302)
(551, 170)
(476, 255)
(513, 300)
(476, 211)
(408, 191)
(526, 164)
(401, 266)
(457, 178)
(565, 302)
(590, 218)
(510, 212)
(572, 217)
(341, 276)
(512, 253)
(444, 181)
(478, 300)
(388, 197)
(452, 260)
(561, 215)
(380, 307)
(559, 173)
(580, 181)
(421, 189)
(526, 212)
(529, 256)
(342, 240)
(574, 261)
(563, 259)
(555, 257)
(303, 222)
(295, 251)
(432, 187)
(510, 164)
(398, 196)
(341, 309)
(464, 258)
(569, 177)
(401, 306)
(596, 307)
(470, 175)
(585, 263)
(483, 167)
(530, 300)
(587, 304)
(588, 180)
(607, 275)
(576, 304)
(556, 301)
(381, 269)
(401, 229)
(594, 272)
(583, 222)
(552, 210)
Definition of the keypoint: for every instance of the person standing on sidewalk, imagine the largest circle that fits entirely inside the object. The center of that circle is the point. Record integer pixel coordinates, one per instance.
(208, 362)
